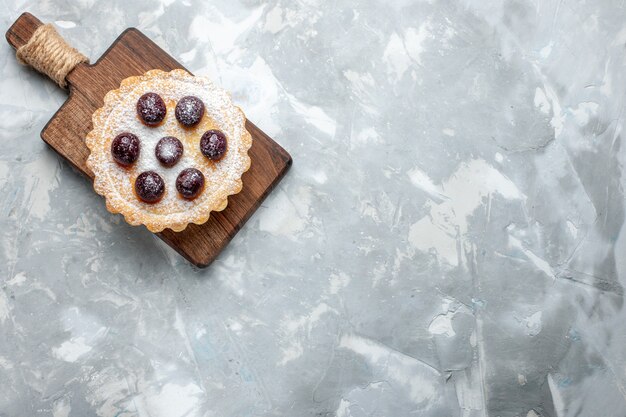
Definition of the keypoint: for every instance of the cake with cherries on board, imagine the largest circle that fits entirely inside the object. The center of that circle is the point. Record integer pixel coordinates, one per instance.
(167, 149)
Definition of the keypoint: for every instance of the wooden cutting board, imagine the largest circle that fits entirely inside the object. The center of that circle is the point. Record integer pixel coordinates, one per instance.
(133, 53)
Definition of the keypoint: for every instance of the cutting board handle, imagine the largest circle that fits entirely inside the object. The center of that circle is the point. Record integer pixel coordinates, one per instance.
(48, 52)
(22, 30)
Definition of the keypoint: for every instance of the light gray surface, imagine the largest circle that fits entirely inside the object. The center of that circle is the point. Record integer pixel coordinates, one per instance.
(447, 243)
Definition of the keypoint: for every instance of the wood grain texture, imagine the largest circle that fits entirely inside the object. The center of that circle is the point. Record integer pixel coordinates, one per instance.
(132, 53)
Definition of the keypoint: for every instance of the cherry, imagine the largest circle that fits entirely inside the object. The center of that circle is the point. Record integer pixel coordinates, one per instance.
(189, 110)
(190, 183)
(149, 186)
(125, 148)
(151, 109)
(213, 144)
(168, 150)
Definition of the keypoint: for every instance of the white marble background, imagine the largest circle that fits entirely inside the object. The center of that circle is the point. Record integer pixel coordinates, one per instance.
(448, 242)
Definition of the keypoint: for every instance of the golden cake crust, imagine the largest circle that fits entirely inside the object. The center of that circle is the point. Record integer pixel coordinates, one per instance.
(116, 183)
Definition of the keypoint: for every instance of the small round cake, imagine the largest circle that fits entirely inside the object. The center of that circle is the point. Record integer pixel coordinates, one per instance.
(167, 149)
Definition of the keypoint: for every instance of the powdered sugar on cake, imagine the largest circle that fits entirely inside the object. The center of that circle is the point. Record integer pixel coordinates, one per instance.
(222, 178)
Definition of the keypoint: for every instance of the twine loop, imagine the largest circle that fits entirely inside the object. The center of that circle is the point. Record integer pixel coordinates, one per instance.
(47, 52)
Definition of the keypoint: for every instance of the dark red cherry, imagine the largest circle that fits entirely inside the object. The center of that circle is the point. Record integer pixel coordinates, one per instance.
(213, 144)
(125, 148)
(168, 150)
(190, 183)
(189, 110)
(151, 109)
(149, 186)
